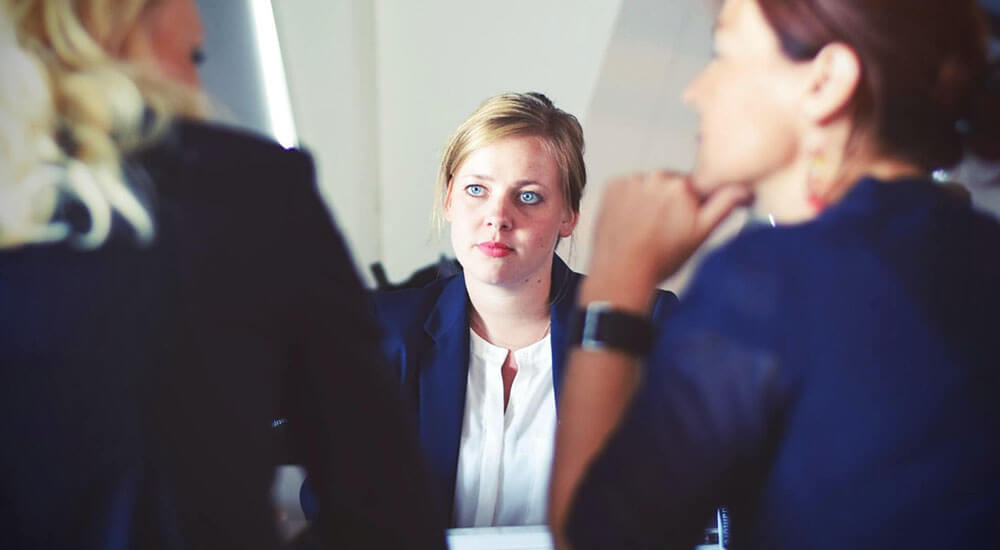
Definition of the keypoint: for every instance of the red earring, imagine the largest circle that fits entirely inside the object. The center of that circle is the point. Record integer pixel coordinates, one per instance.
(818, 168)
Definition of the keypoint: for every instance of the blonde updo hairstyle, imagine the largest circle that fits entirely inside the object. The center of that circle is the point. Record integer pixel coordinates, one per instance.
(517, 114)
(70, 111)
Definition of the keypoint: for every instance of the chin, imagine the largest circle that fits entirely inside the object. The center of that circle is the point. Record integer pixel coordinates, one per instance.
(704, 181)
(488, 275)
(482, 269)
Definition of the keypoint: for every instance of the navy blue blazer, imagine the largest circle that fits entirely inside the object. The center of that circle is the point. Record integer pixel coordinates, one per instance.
(138, 384)
(426, 339)
(834, 382)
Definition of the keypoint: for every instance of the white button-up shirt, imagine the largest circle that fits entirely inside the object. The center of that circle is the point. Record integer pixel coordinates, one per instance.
(505, 457)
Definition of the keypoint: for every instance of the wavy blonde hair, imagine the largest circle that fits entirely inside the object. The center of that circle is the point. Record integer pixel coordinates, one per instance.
(69, 112)
(516, 114)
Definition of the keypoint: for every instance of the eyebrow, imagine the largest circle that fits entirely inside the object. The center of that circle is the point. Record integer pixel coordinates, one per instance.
(518, 183)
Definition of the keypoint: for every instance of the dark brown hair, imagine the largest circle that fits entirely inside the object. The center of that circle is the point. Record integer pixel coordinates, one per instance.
(928, 93)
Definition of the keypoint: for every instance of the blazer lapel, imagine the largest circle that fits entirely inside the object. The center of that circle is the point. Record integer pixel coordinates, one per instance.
(563, 298)
(443, 377)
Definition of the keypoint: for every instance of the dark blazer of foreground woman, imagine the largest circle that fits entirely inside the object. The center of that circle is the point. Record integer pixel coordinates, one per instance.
(426, 338)
(138, 385)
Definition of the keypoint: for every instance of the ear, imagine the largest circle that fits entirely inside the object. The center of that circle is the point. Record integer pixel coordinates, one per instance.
(834, 77)
(447, 201)
(568, 223)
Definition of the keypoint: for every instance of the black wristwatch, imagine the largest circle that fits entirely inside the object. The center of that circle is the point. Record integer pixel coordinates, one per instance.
(600, 326)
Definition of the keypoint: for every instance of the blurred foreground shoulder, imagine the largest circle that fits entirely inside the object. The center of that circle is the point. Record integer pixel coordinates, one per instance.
(228, 159)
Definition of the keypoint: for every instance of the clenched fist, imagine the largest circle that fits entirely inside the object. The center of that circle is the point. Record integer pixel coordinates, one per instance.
(647, 227)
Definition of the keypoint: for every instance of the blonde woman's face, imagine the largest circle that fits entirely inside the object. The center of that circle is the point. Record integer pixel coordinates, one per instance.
(169, 39)
(747, 99)
(506, 209)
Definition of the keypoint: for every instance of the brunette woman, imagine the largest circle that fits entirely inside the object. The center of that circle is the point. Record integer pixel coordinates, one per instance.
(833, 379)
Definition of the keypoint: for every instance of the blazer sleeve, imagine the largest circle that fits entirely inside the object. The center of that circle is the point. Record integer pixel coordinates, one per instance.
(665, 304)
(399, 315)
(693, 434)
(346, 420)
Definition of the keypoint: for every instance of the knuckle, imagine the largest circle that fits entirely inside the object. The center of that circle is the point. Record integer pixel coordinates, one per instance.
(666, 175)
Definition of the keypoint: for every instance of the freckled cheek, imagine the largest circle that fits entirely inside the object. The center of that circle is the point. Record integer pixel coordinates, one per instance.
(543, 237)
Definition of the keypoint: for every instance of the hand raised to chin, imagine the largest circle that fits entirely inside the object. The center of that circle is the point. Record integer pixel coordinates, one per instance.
(648, 226)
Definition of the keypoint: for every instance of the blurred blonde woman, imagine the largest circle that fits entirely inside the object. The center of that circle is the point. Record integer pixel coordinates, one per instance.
(168, 288)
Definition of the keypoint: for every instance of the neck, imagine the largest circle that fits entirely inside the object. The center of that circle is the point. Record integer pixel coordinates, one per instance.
(883, 169)
(785, 194)
(511, 316)
(887, 170)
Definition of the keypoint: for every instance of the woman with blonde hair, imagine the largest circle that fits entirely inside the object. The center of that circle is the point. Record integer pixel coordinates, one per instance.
(169, 287)
(480, 354)
(833, 379)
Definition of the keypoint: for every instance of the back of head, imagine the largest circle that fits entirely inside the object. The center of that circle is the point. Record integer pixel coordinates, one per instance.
(928, 93)
(71, 108)
(518, 114)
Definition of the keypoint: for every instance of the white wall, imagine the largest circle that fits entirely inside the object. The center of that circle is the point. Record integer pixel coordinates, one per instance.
(636, 120)
(231, 73)
(436, 61)
(329, 53)
(378, 86)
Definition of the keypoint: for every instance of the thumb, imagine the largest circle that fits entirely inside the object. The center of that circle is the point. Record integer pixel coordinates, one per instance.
(718, 206)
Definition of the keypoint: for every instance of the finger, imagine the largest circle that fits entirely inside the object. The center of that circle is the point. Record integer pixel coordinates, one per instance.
(718, 206)
(667, 178)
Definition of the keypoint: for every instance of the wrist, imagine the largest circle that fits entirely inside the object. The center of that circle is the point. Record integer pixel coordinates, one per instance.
(602, 326)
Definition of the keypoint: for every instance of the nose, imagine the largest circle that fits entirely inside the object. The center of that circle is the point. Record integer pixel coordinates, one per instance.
(499, 215)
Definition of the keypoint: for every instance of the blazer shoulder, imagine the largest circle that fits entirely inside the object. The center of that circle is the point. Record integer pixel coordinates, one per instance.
(401, 311)
(228, 143)
(230, 159)
(664, 303)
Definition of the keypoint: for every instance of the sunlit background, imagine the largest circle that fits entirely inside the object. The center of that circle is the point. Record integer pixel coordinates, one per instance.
(374, 88)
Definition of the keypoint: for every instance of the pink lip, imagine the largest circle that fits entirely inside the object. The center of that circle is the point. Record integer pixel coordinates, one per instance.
(494, 249)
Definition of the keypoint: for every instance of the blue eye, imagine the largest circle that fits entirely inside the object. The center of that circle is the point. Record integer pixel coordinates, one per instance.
(530, 197)
(475, 190)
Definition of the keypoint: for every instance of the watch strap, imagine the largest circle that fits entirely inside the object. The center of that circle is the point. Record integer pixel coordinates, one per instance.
(601, 326)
